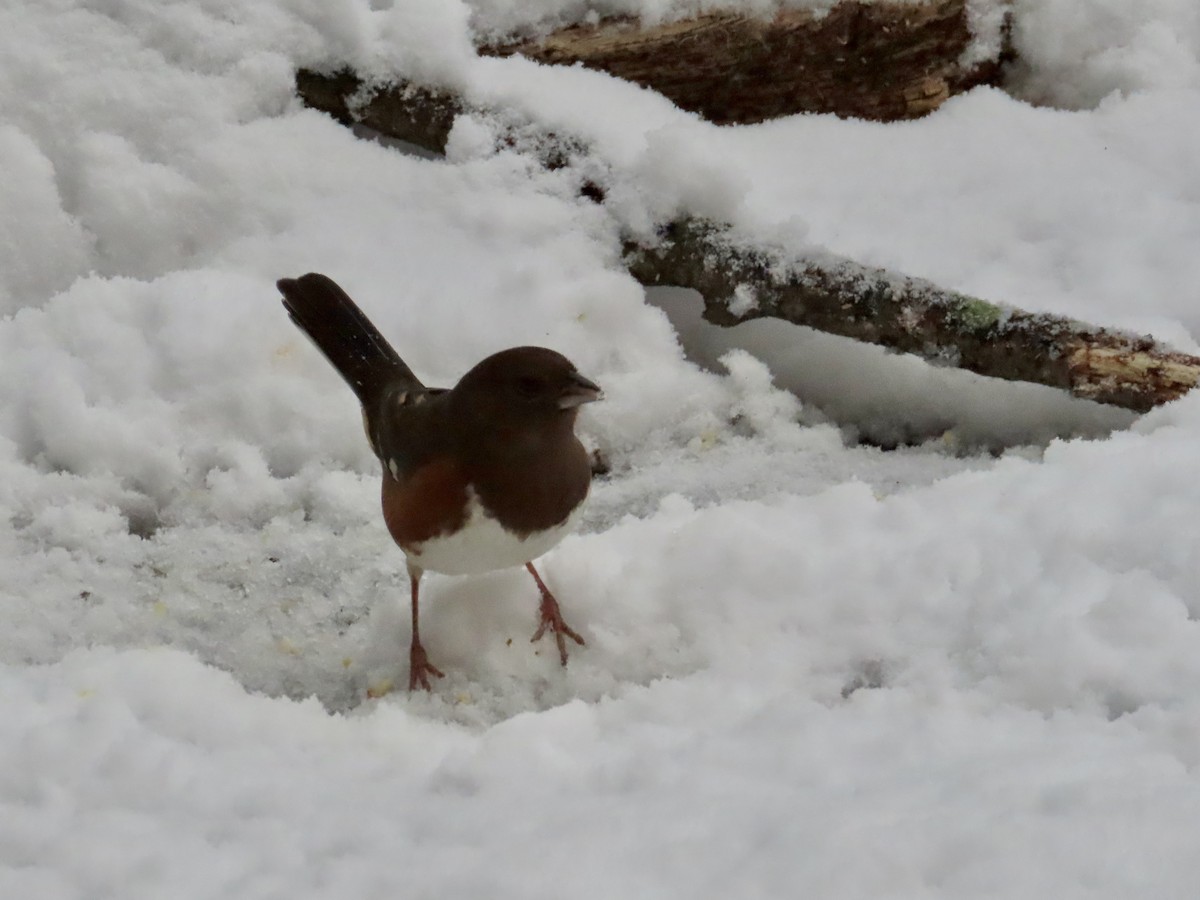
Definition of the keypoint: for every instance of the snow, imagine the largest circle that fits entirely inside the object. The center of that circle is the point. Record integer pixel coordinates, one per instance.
(962, 668)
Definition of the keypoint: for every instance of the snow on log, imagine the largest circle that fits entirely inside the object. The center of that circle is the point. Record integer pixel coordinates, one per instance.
(742, 280)
(882, 61)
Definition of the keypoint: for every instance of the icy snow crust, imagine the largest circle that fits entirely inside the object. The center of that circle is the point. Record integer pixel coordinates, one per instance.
(811, 670)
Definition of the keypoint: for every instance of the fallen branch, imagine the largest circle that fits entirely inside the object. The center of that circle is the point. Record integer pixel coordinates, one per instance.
(740, 281)
(407, 112)
(882, 61)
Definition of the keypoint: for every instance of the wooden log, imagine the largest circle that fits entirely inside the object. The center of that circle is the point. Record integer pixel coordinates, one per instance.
(882, 61)
(742, 280)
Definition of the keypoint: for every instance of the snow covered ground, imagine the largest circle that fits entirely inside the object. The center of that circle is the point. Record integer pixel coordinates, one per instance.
(966, 668)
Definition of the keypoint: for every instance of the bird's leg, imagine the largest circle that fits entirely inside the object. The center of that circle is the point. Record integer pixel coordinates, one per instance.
(552, 618)
(419, 667)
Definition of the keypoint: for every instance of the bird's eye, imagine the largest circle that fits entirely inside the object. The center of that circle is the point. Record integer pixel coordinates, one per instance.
(529, 387)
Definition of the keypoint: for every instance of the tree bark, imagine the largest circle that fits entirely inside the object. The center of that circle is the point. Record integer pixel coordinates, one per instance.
(882, 61)
(740, 280)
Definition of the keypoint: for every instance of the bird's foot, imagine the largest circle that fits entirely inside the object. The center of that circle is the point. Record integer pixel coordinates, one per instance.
(552, 619)
(420, 668)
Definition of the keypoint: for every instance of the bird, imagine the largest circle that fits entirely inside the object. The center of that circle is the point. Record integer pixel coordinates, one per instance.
(486, 475)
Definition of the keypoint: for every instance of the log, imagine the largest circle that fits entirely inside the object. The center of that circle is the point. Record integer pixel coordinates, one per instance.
(881, 61)
(740, 280)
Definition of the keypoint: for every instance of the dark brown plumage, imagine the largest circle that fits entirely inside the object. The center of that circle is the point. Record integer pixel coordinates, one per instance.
(483, 476)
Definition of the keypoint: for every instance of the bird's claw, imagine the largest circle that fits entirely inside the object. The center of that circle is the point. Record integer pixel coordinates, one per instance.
(420, 668)
(552, 619)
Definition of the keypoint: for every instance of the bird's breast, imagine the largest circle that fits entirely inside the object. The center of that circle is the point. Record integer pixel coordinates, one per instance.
(445, 522)
(482, 543)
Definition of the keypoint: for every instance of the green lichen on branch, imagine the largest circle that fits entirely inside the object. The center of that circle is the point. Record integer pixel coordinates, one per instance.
(978, 316)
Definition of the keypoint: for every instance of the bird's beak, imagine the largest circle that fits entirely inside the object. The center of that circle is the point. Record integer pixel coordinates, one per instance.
(579, 392)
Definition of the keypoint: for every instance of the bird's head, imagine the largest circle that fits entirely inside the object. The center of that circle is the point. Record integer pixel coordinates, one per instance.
(525, 385)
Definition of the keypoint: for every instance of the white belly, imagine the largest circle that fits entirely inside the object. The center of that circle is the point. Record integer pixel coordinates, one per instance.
(482, 545)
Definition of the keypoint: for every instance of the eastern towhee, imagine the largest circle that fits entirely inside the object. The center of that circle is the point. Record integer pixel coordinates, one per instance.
(486, 475)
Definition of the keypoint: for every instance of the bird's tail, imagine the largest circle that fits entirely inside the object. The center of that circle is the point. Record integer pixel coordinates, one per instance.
(341, 331)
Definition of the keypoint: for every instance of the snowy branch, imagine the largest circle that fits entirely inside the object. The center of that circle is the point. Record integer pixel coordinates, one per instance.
(407, 112)
(740, 280)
